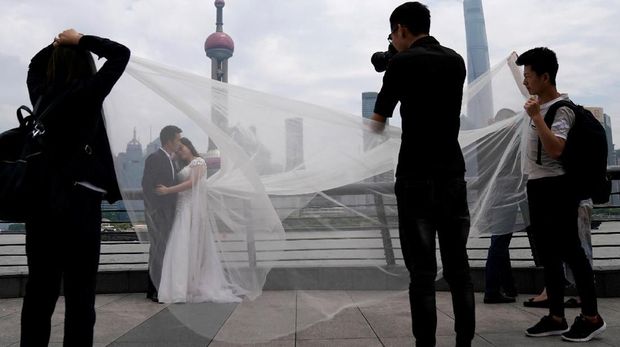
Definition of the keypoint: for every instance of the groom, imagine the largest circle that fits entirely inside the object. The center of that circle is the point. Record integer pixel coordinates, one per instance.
(159, 169)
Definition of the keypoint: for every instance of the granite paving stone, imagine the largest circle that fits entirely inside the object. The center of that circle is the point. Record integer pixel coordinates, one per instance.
(299, 318)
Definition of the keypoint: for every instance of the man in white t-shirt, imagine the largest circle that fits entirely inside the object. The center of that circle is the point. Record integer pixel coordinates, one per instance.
(553, 203)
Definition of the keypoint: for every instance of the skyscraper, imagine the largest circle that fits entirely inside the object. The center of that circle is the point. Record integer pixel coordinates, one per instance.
(130, 164)
(605, 120)
(368, 103)
(368, 106)
(480, 106)
(294, 143)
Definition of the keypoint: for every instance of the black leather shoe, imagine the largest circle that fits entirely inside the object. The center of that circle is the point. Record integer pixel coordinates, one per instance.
(511, 293)
(152, 295)
(572, 303)
(531, 303)
(498, 299)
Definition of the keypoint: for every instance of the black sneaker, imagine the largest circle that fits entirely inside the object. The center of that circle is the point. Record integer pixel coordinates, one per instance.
(583, 330)
(547, 327)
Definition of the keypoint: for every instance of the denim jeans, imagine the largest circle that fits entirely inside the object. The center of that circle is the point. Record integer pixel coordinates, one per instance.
(427, 208)
(553, 216)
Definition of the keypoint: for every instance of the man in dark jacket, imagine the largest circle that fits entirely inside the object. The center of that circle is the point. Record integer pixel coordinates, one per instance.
(79, 173)
(427, 79)
(159, 169)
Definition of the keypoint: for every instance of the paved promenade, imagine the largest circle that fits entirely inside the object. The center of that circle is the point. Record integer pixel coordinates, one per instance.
(131, 320)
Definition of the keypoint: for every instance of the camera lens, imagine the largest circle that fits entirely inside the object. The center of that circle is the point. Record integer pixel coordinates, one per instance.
(380, 60)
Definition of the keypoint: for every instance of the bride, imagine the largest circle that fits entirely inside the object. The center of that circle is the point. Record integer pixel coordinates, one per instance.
(192, 270)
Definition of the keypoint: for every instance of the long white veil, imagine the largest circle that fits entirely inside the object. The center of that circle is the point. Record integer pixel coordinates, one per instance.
(301, 196)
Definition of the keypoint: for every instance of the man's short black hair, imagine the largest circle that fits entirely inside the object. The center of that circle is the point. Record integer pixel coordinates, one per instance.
(168, 133)
(541, 60)
(413, 15)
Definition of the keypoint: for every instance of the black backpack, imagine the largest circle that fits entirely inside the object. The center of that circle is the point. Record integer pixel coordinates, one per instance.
(22, 162)
(585, 154)
(20, 167)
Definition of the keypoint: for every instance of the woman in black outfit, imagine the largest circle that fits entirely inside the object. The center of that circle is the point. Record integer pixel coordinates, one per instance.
(63, 231)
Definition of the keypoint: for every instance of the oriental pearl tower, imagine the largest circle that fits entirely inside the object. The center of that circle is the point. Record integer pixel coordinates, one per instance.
(219, 46)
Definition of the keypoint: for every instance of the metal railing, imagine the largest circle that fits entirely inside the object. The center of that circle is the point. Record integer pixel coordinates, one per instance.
(382, 239)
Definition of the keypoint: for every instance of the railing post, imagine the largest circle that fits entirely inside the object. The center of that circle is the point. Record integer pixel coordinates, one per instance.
(388, 249)
(251, 242)
(251, 250)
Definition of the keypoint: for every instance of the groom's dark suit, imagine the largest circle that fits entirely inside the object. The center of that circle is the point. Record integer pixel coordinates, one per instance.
(159, 211)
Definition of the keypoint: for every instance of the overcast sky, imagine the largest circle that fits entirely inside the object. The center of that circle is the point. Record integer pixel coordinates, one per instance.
(316, 51)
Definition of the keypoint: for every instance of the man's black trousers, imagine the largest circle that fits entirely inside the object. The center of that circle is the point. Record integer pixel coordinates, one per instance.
(553, 219)
(427, 208)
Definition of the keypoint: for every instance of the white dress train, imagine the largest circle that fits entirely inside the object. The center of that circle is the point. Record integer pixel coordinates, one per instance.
(192, 270)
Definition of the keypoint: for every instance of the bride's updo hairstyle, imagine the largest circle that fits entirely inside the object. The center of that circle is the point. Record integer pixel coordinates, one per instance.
(187, 143)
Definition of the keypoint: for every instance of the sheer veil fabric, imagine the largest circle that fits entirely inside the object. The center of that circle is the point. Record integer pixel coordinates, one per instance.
(192, 270)
(303, 188)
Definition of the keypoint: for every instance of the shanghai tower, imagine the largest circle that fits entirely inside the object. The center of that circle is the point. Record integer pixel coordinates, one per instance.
(480, 106)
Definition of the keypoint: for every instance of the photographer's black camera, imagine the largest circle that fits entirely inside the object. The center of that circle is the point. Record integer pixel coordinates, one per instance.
(380, 60)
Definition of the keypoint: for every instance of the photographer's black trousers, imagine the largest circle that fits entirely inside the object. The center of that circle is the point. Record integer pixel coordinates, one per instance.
(63, 246)
(427, 208)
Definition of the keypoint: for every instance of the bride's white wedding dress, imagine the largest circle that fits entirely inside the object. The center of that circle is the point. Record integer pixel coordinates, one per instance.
(192, 270)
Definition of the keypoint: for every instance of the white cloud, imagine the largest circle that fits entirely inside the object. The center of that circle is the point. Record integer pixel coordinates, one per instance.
(319, 50)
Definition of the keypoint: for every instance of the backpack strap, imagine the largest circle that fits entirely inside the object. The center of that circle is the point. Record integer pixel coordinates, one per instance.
(549, 118)
(20, 117)
(39, 126)
(23, 121)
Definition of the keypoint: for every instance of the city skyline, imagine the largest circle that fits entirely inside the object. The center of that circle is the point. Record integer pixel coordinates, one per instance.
(219, 47)
(304, 51)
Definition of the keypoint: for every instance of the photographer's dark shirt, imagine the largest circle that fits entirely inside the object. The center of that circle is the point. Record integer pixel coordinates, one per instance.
(428, 80)
(77, 147)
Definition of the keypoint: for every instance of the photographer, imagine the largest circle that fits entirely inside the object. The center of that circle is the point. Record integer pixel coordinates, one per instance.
(427, 79)
(380, 60)
(79, 173)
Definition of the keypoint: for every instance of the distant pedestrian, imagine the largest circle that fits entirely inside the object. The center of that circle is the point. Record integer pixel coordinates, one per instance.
(498, 272)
